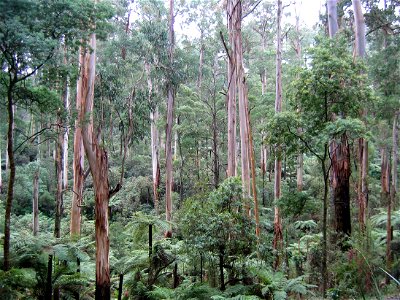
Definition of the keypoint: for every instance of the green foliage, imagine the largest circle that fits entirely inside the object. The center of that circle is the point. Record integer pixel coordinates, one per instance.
(13, 283)
(275, 285)
(218, 224)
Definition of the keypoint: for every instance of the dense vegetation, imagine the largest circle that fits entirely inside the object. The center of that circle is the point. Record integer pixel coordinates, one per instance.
(199, 150)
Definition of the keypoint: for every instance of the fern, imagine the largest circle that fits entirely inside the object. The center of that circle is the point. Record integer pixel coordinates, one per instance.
(159, 293)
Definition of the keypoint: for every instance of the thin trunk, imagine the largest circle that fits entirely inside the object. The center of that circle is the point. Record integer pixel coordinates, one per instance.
(155, 157)
(231, 101)
(49, 285)
(215, 146)
(155, 162)
(169, 125)
(264, 162)
(78, 161)
(59, 179)
(1, 171)
(6, 155)
(385, 198)
(300, 158)
(395, 139)
(253, 182)
(201, 62)
(363, 143)
(221, 269)
(120, 285)
(278, 236)
(11, 177)
(65, 97)
(324, 269)
(35, 206)
(150, 240)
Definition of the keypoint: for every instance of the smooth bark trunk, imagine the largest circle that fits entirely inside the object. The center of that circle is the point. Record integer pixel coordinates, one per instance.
(278, 237)
(231, 101)
(169, 125)
(65, 98)
(59, 180)
(155, 162)
(332, 17)
(363, 143)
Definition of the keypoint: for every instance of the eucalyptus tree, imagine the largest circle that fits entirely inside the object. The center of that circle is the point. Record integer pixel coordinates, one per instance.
(339, 153)
(333, 75)
(384, 64)
(363, 143)
(28, 40)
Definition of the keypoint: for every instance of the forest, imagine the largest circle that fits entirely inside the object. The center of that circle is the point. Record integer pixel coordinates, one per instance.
(199, 149)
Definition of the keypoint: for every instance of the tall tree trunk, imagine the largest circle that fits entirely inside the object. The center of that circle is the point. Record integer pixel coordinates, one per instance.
(155, 162)
(395, 138)
(78, 161)
(1, 171)
(201, 62)
(215, 145)
(65, 98)
(98, 163)
(363, 143)
(332, 17)
(169, 125)
(278, 237)
(59, 178)
(155, 157)
(243, 102)
(11, 177)
(35, 202)
(340, 156)
(231, 101)
(385, 198)
(300, 158)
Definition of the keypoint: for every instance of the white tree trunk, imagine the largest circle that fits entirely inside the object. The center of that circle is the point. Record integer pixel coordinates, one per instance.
(332, 17)
(231, 96)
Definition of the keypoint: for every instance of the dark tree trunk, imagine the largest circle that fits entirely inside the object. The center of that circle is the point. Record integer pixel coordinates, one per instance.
(121, 282)
(340, 155)
(49, 286)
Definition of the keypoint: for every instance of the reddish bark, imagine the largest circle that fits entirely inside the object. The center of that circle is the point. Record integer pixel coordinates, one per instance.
(340, 158)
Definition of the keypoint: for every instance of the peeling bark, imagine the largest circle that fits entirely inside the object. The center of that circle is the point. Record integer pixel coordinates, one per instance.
(78, 160)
